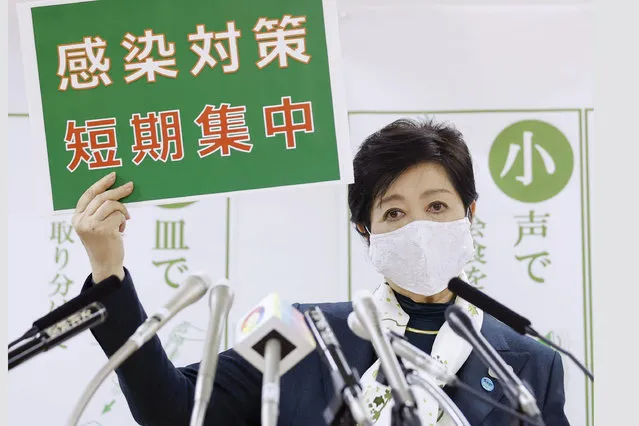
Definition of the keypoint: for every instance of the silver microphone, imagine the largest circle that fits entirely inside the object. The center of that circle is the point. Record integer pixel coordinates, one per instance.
(194, 287)
(366, 310)
(424, 363)
(406, 350)
(434, 370)
(514, 389)
(220, 301)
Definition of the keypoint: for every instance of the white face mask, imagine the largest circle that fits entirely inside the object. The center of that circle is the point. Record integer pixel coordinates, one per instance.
(423, 256)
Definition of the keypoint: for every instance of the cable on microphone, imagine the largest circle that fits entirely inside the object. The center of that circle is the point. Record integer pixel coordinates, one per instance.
(512, 319)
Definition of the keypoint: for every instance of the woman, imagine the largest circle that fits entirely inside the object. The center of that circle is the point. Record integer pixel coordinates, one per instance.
(413, 200)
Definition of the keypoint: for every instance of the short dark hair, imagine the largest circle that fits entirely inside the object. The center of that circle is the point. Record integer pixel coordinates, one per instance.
(405, 143)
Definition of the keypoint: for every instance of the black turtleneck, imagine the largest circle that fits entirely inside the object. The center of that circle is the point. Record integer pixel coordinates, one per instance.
(427, 317)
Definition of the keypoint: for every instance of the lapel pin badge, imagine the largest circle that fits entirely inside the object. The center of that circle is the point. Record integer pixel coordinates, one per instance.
(487, 384)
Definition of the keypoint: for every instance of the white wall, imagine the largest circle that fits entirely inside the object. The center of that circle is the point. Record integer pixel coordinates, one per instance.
(413, 56)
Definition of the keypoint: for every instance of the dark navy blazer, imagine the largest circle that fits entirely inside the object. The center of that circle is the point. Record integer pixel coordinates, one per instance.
(160, 394)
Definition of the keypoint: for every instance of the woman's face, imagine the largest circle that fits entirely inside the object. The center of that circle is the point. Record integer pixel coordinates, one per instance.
(423, 192)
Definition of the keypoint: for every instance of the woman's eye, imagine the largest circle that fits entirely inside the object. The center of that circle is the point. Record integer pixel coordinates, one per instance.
(393, 215)
(437, 207)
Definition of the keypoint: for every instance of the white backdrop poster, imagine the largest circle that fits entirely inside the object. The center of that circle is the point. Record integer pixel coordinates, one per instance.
(517, 81)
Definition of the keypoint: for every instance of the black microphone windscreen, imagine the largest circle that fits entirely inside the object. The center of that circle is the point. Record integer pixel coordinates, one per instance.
(95, 293)
(489, 305)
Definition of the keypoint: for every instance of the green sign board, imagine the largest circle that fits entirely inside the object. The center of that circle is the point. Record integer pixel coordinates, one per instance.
(186, 98)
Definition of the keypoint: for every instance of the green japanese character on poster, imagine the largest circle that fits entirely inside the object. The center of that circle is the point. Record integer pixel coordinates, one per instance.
(531, 161)
(170, 235)
(61, 232)
(171, 277)
(541, 258)
(532, 225)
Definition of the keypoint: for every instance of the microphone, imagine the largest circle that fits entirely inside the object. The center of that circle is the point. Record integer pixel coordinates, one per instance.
(423, 362)
(61, 331)
(95, 293)
(346, 381)
(220, 301)
(192, 290)
(515, 321)
(514, 389)
(491, 306)
(405, 407)
(406, 350)
(273, 337)
(426, 363)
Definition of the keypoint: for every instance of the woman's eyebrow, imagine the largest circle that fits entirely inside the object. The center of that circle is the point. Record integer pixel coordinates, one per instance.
(392, 197)
(430, 192)
(399, 197)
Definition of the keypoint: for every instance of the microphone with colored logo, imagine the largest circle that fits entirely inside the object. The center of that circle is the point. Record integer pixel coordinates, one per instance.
(273, 337)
